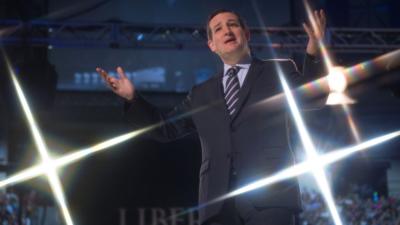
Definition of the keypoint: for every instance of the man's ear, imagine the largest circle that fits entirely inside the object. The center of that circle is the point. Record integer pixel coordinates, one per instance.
(211, 45)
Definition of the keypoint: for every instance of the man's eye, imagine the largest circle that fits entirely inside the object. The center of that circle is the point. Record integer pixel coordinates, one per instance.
(233, 24)
(217, 29)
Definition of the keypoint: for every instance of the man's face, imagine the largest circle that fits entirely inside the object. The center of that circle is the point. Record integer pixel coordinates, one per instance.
(228, 37)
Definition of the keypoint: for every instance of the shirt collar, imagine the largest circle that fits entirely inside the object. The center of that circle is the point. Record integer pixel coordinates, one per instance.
(244, 64)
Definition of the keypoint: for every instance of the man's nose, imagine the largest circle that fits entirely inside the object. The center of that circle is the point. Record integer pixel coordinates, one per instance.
(228, 30)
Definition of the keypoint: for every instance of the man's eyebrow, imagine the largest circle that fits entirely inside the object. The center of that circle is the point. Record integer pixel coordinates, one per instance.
(233, 20)
(229, 20)
(216, 25)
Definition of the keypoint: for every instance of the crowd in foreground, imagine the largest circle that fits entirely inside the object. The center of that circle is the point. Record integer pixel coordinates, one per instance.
(16, 209)
(355, 208)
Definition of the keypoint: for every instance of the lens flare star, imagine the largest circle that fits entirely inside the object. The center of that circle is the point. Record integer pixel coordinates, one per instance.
(49, 165)
(308, 145)
(300, 169)
(312, 154)
(47, 162)
(72, 157)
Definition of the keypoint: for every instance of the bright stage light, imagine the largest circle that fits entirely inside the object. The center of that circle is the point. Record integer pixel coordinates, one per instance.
(49, 165)
(354, 74)
(337, 83)
(71, 157)
(312, 154)
(47, 162)
(336, 80)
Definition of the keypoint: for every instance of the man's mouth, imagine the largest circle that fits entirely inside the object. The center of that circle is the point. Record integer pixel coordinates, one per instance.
(230, 40)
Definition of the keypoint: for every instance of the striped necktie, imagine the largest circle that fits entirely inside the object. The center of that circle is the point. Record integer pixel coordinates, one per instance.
(232, 89)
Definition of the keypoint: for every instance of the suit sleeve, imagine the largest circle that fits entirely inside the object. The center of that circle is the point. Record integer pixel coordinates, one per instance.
(170, 126)
(313, 69)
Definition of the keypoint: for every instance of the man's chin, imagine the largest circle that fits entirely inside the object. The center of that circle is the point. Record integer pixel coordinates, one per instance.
(232, 55)
(232, 50)
(232, 46)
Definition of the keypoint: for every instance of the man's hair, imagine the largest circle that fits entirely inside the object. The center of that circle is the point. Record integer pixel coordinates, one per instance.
(242, 22)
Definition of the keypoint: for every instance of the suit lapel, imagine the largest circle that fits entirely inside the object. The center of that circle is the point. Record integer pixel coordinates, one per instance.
(221, 105)
(254, 71)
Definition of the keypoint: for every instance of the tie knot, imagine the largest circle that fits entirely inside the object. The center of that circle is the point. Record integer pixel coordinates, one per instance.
(233, 71)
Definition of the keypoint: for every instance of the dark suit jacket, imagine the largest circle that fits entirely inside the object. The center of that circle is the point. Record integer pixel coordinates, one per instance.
(253, 142)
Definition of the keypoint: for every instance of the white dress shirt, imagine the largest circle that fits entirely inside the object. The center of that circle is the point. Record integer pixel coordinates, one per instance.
(244, 69)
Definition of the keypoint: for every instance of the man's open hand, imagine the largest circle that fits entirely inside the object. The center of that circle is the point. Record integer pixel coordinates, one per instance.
(315, 33)
(121, 86)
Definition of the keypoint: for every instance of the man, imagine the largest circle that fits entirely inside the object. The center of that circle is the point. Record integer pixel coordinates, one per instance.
(238, 145)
